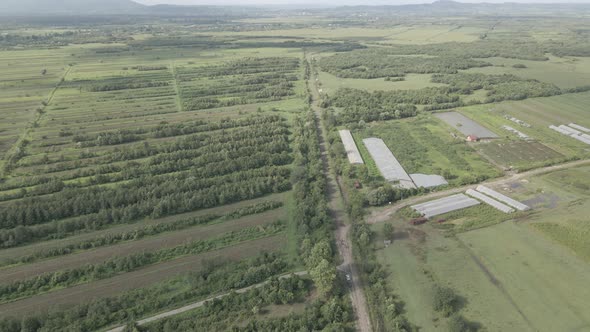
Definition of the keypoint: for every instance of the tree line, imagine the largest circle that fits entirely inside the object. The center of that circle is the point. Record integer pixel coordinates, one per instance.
(120, 264)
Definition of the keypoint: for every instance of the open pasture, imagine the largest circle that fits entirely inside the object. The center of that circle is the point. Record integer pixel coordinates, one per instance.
(566, 73)
(504, 272)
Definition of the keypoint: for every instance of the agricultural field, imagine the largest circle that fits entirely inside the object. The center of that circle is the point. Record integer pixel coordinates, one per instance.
(539, 114)
(133, 172)
(154, 161)
(504, 272)
(424, 145)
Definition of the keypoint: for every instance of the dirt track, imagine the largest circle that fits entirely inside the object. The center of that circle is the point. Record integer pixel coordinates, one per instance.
(386, 213)
(166, 240)
(338, 214)
(200, 303)
(136, 279)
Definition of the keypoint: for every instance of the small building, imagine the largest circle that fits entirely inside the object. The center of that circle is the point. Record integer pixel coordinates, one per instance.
(472, 138)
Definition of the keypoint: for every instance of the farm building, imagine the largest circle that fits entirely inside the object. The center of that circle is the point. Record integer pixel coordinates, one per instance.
(388, 165)
(490, 201)
(352, 151)
(502, 198)
(428, 180)
(575, 126)
(472, 138)
(465, 125)
(573, 133)
(445, 205)
(517, 132)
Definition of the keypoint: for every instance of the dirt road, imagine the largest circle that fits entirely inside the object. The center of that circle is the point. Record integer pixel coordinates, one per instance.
(342, 224)
(385, 214)
(199, 304)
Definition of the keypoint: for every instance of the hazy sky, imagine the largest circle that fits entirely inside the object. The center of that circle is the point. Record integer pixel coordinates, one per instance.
(328, 2)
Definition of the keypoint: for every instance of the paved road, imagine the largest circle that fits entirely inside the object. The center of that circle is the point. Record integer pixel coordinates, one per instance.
(385, 214)
(199, 304)
(340, 217)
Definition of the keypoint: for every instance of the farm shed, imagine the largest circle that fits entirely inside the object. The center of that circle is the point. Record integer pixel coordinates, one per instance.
(517, 132)
(388, 165)
(490, 201)
(502, 198)
(428, 180)
(352, 151)
(575, 126)
(445, 205)
(573, 133)
(465, 125)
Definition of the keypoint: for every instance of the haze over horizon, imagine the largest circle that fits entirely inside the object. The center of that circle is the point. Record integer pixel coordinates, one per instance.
(334, 2)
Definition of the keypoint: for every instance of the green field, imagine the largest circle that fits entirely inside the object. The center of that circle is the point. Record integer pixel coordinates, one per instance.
(516, 154)
(423, 145)
(505, 273)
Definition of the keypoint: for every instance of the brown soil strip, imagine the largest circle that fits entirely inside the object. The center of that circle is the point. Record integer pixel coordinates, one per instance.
(140, 278)
(166, 240)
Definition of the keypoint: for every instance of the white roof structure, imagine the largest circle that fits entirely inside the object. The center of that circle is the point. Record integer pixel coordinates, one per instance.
(502, 198)
(580, 128)
(573, 133)
(517, 132)
(445, 205)
(490, 201)
(428, 180)
(352, 151)
(388, 165)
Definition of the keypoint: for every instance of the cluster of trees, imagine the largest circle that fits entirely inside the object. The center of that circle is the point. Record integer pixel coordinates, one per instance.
(487, 48)
(150, 230)
(108, 268)
(243, 66)
(247, 137)
(149, 68)
(125, 86)
(379, 62)
(95, 208)
(238, 82)
(195, 171)
(215, 277)
(499, 87)
(384, 105)
(229, 312)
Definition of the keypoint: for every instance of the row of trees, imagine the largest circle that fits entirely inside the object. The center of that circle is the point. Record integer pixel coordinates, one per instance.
(378, 62)
(121, 205)
(116, 265)
(215, 277)
(149, 230)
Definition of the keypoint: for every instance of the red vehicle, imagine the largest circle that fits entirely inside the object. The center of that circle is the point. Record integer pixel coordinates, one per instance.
(418, 221)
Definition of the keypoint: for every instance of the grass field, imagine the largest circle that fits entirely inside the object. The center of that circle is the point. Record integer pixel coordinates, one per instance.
(504, 273)
(516, 154)
(563, 72)
(331, 83)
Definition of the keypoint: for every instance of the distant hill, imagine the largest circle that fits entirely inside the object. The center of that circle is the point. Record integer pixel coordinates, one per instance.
(73, 7)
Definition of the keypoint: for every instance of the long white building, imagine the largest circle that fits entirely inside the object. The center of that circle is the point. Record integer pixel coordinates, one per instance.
(352, 151)
(388, 165)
